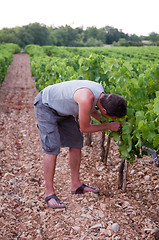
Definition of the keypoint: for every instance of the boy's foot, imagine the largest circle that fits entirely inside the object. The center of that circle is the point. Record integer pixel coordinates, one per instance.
(85, 188)
(54, 202)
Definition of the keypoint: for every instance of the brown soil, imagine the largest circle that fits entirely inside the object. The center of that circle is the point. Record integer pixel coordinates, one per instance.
(23, 213)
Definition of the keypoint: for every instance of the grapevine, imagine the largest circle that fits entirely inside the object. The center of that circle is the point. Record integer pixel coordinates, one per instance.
(127, 72)
(6, 56)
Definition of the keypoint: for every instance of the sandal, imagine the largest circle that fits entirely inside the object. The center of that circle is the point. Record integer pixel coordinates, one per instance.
(81, 190)
(56, 199)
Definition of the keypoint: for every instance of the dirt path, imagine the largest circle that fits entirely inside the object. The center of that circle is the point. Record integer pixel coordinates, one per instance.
(23, 213)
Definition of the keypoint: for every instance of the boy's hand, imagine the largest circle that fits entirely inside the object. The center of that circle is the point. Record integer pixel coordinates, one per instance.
(114, 126)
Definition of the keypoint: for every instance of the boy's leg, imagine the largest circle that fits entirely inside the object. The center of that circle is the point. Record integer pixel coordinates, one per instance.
(75, 161)
(49, 165)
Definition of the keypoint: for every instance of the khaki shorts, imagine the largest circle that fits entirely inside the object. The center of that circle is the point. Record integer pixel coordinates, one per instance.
(56, 131)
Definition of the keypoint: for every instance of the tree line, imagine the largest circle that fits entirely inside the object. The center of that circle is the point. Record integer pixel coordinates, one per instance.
(40, 34)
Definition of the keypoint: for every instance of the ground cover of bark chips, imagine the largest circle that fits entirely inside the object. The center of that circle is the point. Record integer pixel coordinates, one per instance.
(23, 212)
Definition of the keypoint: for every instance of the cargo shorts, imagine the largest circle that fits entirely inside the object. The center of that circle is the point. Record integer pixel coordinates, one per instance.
(56, 131)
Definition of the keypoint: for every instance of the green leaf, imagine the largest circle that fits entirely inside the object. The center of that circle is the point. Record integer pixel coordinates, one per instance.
(156, 107)
(126, 128)
(141, 124)
(115, 136)
(124, 151)
(156, 141)
(139, 116)
(128, 66)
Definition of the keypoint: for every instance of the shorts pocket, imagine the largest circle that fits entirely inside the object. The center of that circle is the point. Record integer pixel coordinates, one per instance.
(49, 138)
(35, 101)
(37, 98)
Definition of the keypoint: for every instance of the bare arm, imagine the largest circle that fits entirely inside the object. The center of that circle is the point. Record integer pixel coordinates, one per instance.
(84, 97)
(96, 115)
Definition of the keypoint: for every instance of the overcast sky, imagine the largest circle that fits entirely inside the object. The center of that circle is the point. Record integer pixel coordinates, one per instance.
(139, 17)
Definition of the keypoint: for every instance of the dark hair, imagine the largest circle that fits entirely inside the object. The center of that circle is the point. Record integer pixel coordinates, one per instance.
(114, 104)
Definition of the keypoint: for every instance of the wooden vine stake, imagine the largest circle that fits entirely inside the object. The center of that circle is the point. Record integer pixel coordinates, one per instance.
(123, 169)
(88, 137)
(107, 150)
(104, 152)
(123, 174)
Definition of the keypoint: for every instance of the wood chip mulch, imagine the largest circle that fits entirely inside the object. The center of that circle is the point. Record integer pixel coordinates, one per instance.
(133, 215)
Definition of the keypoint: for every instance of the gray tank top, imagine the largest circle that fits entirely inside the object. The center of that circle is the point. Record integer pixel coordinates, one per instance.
(60, 96)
